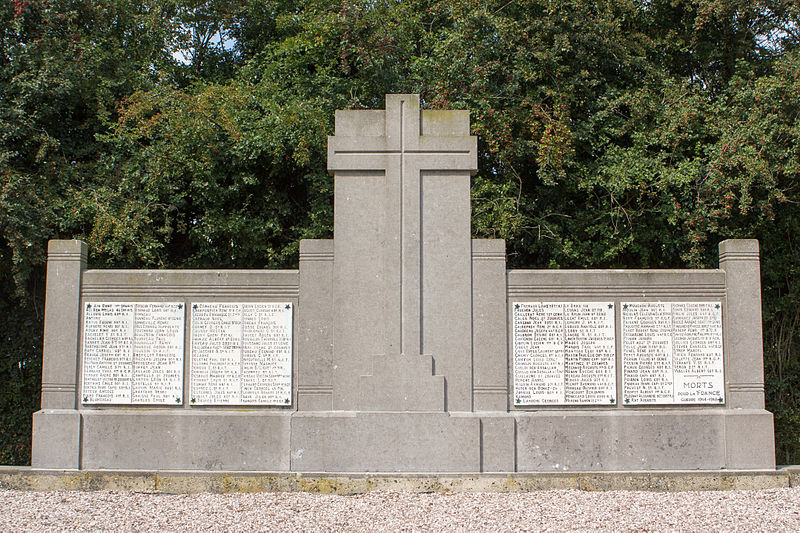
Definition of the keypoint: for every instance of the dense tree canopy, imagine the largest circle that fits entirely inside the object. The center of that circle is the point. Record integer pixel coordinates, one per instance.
(191, 133)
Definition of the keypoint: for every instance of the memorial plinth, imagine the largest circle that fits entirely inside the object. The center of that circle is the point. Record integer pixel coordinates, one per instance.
(403, 345)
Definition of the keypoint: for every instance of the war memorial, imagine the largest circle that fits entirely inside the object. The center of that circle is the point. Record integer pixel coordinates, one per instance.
(402, 344)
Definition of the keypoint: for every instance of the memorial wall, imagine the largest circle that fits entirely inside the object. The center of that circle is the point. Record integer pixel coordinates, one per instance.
(132, 353)
(565, 353)
(403, 345)
(240, 353)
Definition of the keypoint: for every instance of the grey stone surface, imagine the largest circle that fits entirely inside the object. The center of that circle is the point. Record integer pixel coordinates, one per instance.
(56, 438)
(793, 472)
(644, 284)
(385, 442)
(200, 439)
(66, 261)
(314, 325)
(402, 383)
(620, 440)
(489, 342)
(183, 482)
(498, 445)
(445, 314)
(749, 439)
(221, 285)
(402, 251)
(744, 362)
(357, 288)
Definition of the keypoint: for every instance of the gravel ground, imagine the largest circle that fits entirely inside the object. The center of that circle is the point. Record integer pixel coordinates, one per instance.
(557, 510)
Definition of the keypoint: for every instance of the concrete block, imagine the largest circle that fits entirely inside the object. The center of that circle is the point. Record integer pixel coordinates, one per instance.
(400, 350)
(185, 440)
(749, 439)
(674, 439)
(753, 481)
(541, 481)
(56, 439)
(614, 481)
(117, 481)
(438, 122)
(366, 122)
(384, 442)
(681, 482)
(445, 312)
(497, 444)
(155, 285)
(623, 284)
(489, 340)
(358, 285)
(792, 473)
(66, 261)
(315, 326)
(175, 482)
(744, 356)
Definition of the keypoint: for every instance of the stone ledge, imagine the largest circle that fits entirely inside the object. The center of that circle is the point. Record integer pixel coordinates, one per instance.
(178, 482)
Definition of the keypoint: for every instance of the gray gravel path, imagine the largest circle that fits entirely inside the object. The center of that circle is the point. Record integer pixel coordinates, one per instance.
(558, 510)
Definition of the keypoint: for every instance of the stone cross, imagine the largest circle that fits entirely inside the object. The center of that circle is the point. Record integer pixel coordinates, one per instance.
(381, 160)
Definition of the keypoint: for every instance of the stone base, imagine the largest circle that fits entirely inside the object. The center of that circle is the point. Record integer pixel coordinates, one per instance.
(56, 438)
(677, 439)
(419, 442)
(385, 442)
(749, 439)
(185, 440)
(191, 482)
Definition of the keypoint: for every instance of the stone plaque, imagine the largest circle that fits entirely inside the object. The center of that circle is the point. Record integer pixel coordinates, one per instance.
(132, 353)
(672, 353)
(241, 354)
(564, 353)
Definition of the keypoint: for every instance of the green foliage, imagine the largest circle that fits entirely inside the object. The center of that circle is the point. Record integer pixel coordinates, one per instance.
(625, 133)
(63, 68)
(216, 174)
(20, 364)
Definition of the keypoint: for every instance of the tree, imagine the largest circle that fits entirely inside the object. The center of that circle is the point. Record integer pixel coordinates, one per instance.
(63, 68)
